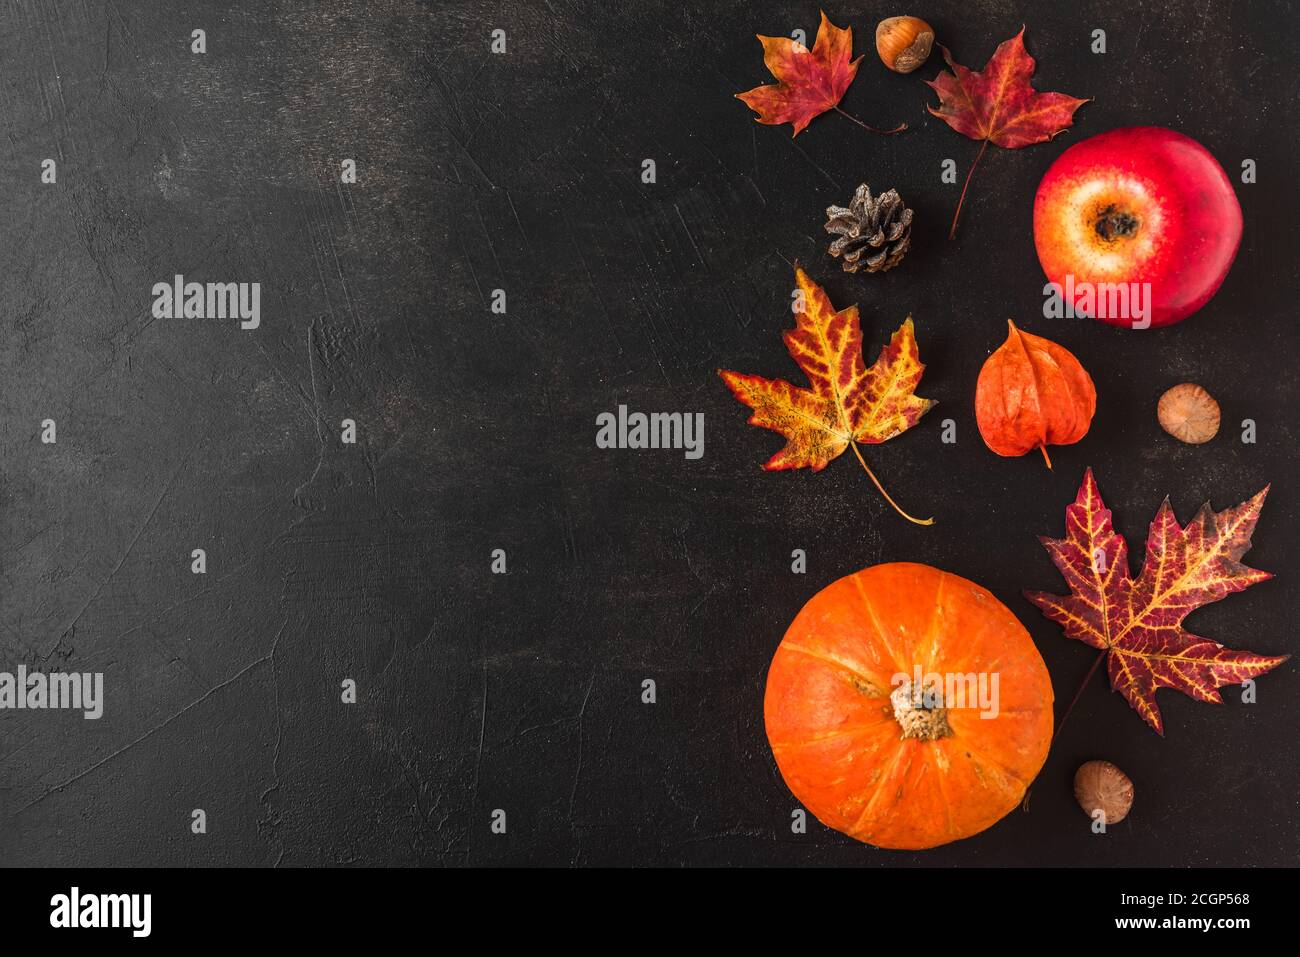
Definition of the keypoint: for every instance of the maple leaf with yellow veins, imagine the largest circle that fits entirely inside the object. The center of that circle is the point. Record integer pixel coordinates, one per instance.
(1137, 623)
(846, 402)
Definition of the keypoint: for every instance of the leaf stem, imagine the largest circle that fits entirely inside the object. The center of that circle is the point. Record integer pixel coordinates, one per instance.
(1046, 458)
(952, 233)
(917, 521)
(1075, 700)
(897, 129)
(1024, 805)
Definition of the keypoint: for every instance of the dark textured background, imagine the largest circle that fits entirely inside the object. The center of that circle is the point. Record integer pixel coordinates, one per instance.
(521, 171)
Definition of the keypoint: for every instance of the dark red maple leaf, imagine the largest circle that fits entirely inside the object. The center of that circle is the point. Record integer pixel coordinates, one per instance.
(1138, 623)
(998, 105)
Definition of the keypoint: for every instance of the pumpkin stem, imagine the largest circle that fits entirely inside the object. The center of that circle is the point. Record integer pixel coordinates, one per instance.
(918, 713)
(918, 521)
(952, 233)
(1024, 805)
(1046, 458)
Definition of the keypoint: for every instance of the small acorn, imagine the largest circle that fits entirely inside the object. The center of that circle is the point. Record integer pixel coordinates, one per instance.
(1099, 785)
(904, 42)
(1189, 413)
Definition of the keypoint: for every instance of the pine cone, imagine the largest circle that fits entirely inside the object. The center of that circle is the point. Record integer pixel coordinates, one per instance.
(874, 232)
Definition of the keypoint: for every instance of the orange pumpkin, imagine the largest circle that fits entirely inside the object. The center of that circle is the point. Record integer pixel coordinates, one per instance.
(875, 713)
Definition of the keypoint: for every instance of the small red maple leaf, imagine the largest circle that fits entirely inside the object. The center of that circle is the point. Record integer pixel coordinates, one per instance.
(1137, 623)
(811, 82)
(998, 105)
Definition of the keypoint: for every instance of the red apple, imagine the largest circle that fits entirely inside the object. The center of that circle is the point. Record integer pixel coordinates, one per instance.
(1137, 226)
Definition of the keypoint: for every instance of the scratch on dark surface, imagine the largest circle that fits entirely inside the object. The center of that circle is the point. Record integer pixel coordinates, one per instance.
(437, 81)
(492, 108)
(167, 487)
(294, 387)
(561, 50)
(591, 284)
(153, 730)
(514, 212)
(11, 552)
(469, 263)
(320, 434)
(108, 45)
(653, 283)
(207, 590)
(570, 540)
(577, 772)
(488, 237)
(798, 149)
(58, 85)
(483, 58)
(470, 156)
(317, 249)
(482, 734)
(694, 245)
(754, 186)
(279, 739)
(343, 281)
(703, 598)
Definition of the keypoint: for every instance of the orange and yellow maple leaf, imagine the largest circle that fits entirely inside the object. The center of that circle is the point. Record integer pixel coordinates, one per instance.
(846, 402)
(1138, 623)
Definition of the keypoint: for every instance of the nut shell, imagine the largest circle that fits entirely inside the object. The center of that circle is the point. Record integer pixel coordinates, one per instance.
(904, 43)
(1189, 413)
(1101, 785)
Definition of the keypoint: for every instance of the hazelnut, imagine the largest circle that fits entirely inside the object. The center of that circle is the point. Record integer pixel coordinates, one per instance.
(1099, 785)
(1189, 413)
(904, 42)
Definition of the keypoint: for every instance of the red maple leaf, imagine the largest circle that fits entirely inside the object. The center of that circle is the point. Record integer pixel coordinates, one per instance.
(1137, 623)
(998, 105)
(811, 82)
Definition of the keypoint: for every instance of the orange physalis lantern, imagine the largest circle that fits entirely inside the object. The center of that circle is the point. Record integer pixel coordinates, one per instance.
(1032, 393)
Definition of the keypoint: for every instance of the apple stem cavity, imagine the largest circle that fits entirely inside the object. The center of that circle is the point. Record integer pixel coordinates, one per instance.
(952, 233)
(1114, 223)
